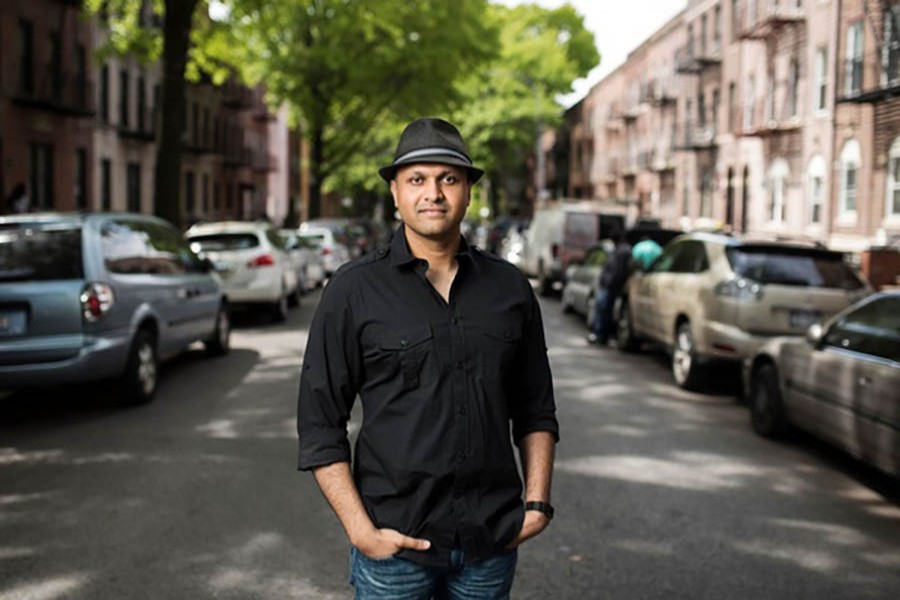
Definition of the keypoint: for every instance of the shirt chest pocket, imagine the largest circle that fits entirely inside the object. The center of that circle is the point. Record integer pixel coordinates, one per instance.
(404, 353)
(499, 346)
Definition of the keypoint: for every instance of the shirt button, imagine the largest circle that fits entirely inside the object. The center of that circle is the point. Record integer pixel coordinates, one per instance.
(404, 343)
(455, 320)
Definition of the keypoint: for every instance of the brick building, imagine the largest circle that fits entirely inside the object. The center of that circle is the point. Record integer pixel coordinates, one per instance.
(81, 133)
(764, 122)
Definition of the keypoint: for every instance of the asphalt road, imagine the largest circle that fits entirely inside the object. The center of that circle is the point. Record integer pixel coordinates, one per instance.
(659, 493)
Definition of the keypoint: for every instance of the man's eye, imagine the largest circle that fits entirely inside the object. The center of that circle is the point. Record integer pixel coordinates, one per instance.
(451, 179)
(416, 180)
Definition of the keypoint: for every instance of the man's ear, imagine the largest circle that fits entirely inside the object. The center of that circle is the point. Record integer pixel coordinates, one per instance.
(394, 191)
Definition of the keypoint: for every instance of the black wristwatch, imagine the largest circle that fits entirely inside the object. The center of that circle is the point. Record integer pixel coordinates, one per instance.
(544, 507)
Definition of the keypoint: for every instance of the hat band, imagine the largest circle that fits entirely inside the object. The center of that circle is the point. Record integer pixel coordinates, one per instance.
(426, 152)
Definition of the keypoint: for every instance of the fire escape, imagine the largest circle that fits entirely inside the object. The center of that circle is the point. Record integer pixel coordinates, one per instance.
(884, 83)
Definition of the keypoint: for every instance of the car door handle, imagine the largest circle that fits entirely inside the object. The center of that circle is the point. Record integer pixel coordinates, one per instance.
(864, 380)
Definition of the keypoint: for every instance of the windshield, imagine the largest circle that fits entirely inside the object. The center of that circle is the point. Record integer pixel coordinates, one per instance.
(793, 266)
(223, 241)
(40, 252)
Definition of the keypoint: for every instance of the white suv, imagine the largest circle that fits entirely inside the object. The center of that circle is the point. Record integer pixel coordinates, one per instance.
(252, 261)
(712, 297)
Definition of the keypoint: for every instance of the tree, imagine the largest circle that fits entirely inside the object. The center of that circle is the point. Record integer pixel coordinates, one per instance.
(179, 32)
(351, 68)
(511, 98)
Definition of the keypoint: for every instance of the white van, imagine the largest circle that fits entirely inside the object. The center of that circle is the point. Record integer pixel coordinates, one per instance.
(562, 233)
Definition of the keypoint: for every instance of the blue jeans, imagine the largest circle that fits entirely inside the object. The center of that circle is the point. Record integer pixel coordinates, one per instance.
(600, 325)
(400, 579)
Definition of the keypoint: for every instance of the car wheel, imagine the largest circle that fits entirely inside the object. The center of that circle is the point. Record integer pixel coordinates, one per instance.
(685, 369)
(280, 308)
(138, 383)
(766, 409)
(294, 298)
(220, 342)
(626, 339)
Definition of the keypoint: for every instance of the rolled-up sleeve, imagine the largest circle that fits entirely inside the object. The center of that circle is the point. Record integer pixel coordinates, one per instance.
(329, 380)
(533, 407)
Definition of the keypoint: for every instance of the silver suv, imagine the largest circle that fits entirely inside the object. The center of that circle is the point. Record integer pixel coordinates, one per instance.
(89, 297)
(712, 297)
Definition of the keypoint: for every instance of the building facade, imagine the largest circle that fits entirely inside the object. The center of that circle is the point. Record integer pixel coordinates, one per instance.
(777, 118)
(81, 133)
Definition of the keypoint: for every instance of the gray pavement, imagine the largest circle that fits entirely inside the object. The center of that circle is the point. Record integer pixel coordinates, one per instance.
(659, 493)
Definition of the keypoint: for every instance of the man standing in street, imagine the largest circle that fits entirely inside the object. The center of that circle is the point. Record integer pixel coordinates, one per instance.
(612, 279)
(444, 346)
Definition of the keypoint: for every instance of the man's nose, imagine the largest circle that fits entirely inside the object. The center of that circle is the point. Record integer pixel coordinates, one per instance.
(435, 191)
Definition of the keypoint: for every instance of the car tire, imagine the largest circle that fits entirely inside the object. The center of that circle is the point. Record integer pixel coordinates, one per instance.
(687, 373)
(137, 384)
(219, 344)
(279, 310)
(766, 408)
(626, 339)
(294, 298)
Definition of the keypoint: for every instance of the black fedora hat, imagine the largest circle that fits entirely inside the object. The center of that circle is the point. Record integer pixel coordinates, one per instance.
(431, 140)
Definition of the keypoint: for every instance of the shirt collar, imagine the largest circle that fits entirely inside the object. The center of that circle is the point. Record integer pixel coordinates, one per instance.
(401, 256)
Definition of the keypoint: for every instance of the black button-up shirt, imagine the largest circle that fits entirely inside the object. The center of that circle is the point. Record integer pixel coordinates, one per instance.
(440, 382)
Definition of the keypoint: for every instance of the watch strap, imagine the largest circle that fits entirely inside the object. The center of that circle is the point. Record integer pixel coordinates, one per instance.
(544, 507)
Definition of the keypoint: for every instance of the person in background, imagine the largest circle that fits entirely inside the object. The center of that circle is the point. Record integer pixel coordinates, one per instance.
(645, 252)
(444, 346)
(18, 201)
(612, 279)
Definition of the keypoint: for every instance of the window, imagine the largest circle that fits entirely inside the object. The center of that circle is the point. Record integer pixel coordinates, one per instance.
(41, 252)
(749, 99)
(850, 161)
(717, 27)
(794, 266)
(195, 124)
(104, 94)
(691, 258)
(820, 84)
(706, 193)
(105, 184)
(41, 175)
(204, 197)
(701, 109)
(81, 179)
(714, 109)
(81, 83)
(890, 57)
(735, 19)
(854, 58)
(793, 85)
(142, 121)
(123, 98)
(873, 328)
(892, 209)
(778, 178)
(189, 193)
(54, 68)
(815, 178)
(133, 186)
(732, 106)
(703, 35)
(26, 57)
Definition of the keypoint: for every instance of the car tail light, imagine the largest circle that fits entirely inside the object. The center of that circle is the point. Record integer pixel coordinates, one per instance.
(739, 289)
(96, 300)
(263, 260)
(326, 251)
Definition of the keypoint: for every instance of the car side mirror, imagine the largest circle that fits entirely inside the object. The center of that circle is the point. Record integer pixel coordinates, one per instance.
(815, 334)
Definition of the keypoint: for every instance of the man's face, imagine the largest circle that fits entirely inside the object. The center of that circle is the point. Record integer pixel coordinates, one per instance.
(432, 199)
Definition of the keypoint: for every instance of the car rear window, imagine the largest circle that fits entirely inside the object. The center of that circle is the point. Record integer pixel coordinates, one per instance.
(40, 252)
(225, 241)
(807, 267)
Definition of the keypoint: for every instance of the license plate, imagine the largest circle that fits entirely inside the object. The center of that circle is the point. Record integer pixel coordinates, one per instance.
(802, 319)
(12, 322)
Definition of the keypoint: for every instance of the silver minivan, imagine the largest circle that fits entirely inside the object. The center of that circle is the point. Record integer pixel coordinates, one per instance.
(102, 296)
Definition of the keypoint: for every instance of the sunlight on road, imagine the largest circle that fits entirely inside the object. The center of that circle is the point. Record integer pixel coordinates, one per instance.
(48, 589)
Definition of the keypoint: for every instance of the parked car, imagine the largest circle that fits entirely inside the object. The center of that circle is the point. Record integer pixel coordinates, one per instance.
(582, 277)
(580, 288)
(252, 261)
(711, 297)
(306, 258)
(102, 296)
(333, 253)
(561, 233)
(841, 383)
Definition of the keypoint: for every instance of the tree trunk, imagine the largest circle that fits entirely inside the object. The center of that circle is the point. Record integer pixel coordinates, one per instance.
(176, 38)
(315, 174)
